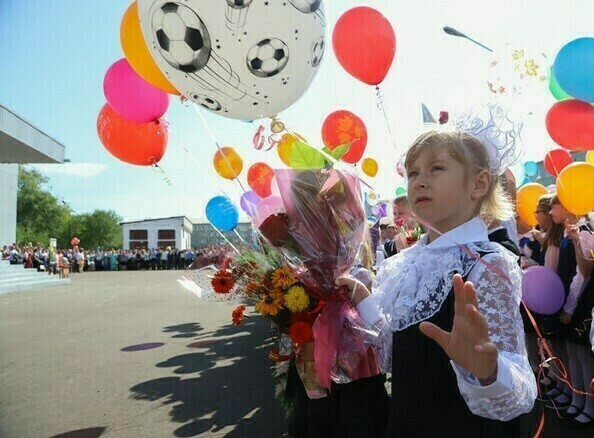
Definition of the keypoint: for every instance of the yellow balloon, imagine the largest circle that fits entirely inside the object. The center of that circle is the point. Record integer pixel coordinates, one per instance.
(284, 146)
(137, 52)
(228, 163)
(590, 157)
(369, 167)
(575, 188)
(527, 201)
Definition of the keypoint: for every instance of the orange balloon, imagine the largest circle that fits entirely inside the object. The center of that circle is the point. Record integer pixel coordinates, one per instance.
(369, 167)
(574, 188)
(342, 127)
(137, 52)
(260, 179)
(284, 147)
(527, 201)
(142, 144)
(228, 163)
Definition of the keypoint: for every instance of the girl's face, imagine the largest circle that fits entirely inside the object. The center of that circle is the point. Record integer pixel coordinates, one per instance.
(440, 192)
(559, 214)
(543, 218)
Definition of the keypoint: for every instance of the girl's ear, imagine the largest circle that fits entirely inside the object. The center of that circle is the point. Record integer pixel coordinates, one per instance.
(481, 184)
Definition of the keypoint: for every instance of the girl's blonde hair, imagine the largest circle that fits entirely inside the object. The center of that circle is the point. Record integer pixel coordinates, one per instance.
(472, 154)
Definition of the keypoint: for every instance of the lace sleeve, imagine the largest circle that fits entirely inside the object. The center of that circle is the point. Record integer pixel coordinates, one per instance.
(514, 391)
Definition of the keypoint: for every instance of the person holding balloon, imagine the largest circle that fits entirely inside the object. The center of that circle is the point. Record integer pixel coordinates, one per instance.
(572, 280)
(574, 267)
(448, 307)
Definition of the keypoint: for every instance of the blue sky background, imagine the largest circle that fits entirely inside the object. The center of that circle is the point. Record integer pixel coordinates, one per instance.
(55, 53)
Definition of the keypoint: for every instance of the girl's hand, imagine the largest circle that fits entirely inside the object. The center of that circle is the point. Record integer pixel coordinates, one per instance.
(353, 285)
(573, 231)
(468, 344)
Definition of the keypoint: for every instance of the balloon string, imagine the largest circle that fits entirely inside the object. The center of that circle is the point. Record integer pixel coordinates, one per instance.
(238, 235)
(160, 170)
(223, 236)
(382, 108)
(214, 140)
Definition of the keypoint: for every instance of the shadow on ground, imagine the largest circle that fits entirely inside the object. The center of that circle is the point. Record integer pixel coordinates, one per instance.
(226, 381)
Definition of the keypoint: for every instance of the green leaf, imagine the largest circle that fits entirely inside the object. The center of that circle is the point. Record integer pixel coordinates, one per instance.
(304, 156)
(339, 151)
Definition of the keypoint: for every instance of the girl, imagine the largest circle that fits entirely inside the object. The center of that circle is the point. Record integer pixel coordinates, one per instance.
(459, 361)
(549, 234)
(574, 268)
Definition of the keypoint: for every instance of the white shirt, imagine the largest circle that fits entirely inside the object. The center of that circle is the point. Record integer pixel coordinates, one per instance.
(411, 287)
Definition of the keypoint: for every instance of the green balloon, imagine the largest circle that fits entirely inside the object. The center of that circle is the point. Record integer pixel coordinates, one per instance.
(400, 191)
(555, 89)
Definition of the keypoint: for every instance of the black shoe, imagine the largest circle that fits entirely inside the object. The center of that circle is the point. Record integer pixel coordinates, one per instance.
(552, 404)
(569, 417)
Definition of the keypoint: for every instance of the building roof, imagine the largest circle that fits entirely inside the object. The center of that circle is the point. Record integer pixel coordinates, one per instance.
(157, 219)
(22, 142)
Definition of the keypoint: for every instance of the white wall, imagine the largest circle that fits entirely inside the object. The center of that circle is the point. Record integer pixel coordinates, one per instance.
(183, 231)
(8, 203)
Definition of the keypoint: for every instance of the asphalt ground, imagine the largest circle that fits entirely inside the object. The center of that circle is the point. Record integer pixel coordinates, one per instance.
(133, 354)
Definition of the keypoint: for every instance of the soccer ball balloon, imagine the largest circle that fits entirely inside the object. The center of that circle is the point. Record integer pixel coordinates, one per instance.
(242, 59)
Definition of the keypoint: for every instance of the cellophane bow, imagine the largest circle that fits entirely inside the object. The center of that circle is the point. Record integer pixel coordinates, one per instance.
(319, 235)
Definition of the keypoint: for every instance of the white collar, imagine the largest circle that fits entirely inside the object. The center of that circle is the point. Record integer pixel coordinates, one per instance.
(474, 230)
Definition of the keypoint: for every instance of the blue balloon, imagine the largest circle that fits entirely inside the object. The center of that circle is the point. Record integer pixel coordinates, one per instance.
(221, 212)
(526, 181)
(574, 69)
(530, 168)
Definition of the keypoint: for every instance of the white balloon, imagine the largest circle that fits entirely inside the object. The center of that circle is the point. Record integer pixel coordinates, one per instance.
(242, 59)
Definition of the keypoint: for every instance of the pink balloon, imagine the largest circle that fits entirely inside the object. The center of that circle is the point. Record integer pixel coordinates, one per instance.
(131, 96)
(267, 207)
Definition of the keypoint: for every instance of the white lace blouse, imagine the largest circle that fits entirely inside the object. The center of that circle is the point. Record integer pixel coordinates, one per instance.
(412, 286)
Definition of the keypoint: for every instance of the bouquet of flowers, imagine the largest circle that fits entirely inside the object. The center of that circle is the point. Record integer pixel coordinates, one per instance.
(410, 231)
(319, 234)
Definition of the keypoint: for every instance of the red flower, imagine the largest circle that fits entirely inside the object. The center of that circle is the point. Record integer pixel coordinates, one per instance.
(410, 240)
(300, 333)
(275, 229)
(399, 222)
(222, 282)
(303, 317)
(237, 315)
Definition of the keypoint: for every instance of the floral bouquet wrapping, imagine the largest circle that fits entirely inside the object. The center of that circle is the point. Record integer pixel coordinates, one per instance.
(319, 234)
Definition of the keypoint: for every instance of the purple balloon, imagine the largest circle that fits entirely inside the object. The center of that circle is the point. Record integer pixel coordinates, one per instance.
(249, 202)
(383, 210)
(375, 210)
(542, 290)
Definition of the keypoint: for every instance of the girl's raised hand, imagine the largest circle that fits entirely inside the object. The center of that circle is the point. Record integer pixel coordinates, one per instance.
(468, 344)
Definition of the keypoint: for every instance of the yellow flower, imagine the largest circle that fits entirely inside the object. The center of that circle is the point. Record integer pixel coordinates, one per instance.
(270, 304)
(283, 278)
(296, 300)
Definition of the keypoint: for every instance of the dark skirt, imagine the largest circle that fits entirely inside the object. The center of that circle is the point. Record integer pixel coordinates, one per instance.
(353, 410)
(581, 320)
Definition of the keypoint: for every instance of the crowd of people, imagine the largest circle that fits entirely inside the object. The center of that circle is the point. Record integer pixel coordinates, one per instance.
(79, 260)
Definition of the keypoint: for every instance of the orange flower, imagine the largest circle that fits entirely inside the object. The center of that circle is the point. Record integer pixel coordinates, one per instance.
(222, 282)
(283, 278)
(253, 288)
(237, 315)
(300, 332)
(270, 304)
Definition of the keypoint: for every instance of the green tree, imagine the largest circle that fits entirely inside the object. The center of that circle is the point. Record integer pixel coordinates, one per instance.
(100, 228)
(39, 214)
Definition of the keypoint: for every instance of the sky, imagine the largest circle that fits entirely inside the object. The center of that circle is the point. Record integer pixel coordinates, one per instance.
(55, 54)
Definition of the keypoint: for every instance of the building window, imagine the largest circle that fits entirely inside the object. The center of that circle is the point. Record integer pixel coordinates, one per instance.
(138, 244)
(166, 235)
(165, 243)
(138, 235)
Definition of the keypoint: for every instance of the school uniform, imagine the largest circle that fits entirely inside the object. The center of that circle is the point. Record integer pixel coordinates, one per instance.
(431, 395)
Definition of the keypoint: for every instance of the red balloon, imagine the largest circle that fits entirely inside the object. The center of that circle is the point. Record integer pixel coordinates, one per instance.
(142, 144)
(365, 44)
(342, 127)
(557, 160)
(571, 124)
(260, 179)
